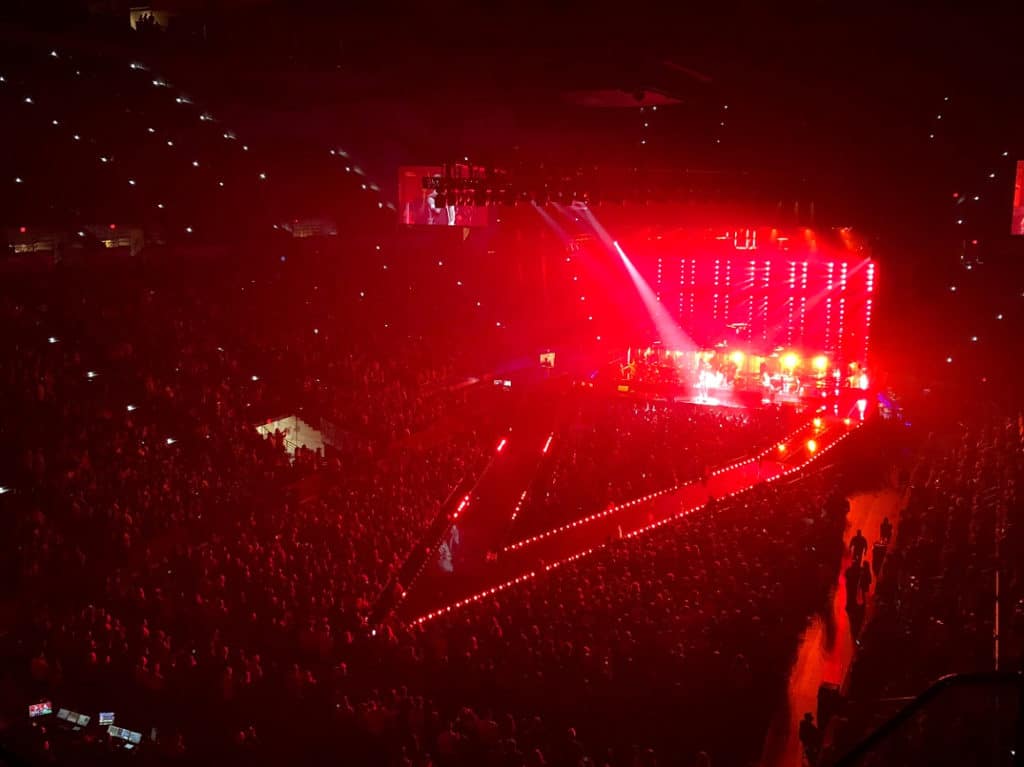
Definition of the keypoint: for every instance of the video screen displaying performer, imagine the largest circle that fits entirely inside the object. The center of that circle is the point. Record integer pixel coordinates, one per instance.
(423, 206)
(1018, 200)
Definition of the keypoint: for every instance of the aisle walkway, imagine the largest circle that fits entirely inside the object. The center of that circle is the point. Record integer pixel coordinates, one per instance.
(435, 591)
(827, 647)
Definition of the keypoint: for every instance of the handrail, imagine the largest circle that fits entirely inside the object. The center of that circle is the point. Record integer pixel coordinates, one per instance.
(420, 553)
(950, 681)
(735, 463)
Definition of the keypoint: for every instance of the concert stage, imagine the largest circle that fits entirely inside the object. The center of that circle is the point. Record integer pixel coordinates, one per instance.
(738, 377)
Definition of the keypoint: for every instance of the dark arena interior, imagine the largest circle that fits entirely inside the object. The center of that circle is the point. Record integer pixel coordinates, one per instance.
(536, 384)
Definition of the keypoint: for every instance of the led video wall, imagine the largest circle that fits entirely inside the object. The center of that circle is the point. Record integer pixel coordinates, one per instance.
(764, 289)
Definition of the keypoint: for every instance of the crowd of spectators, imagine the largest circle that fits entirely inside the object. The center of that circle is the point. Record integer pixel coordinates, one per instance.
(168, 561)
(165, 561)
(671, 643)
(666, 646)
(171, 564)
(151, 523)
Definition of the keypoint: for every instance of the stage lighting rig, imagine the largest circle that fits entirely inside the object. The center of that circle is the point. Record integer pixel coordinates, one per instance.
(463, 183)
(470, 184)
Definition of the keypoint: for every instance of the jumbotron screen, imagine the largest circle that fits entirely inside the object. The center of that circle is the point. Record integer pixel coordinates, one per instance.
(1018, 200)
(421, 203)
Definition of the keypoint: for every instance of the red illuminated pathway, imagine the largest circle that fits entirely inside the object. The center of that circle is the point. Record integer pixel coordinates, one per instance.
(827, 647)
(436, 592)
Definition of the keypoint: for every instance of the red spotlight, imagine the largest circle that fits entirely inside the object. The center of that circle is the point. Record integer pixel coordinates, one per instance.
(22, 229)
(501, 445)
(113, 227)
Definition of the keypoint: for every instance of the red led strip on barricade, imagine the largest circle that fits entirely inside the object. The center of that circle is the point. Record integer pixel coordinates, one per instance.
(643, 499)
(633, 534)
(519, 506)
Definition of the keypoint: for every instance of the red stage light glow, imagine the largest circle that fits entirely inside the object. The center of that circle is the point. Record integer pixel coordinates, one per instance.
(668, 330)
(519, 506)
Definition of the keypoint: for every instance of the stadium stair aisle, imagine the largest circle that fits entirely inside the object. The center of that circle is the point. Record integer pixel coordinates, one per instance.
(436, 591)
(827, 647)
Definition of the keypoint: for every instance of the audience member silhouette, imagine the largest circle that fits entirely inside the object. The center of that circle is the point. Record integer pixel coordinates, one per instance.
(810, 738)
(885, 531)
(852, 576)
(858, 546)
(865, 579)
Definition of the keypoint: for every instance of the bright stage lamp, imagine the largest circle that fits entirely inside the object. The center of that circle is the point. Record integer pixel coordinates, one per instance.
(811, 446)
(790, 361)
(820, 363)
(737, 358)
(817, 423)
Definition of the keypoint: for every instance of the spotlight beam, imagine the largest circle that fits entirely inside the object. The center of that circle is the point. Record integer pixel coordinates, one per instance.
(667, 328)
(671, 334)
(557, 228)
